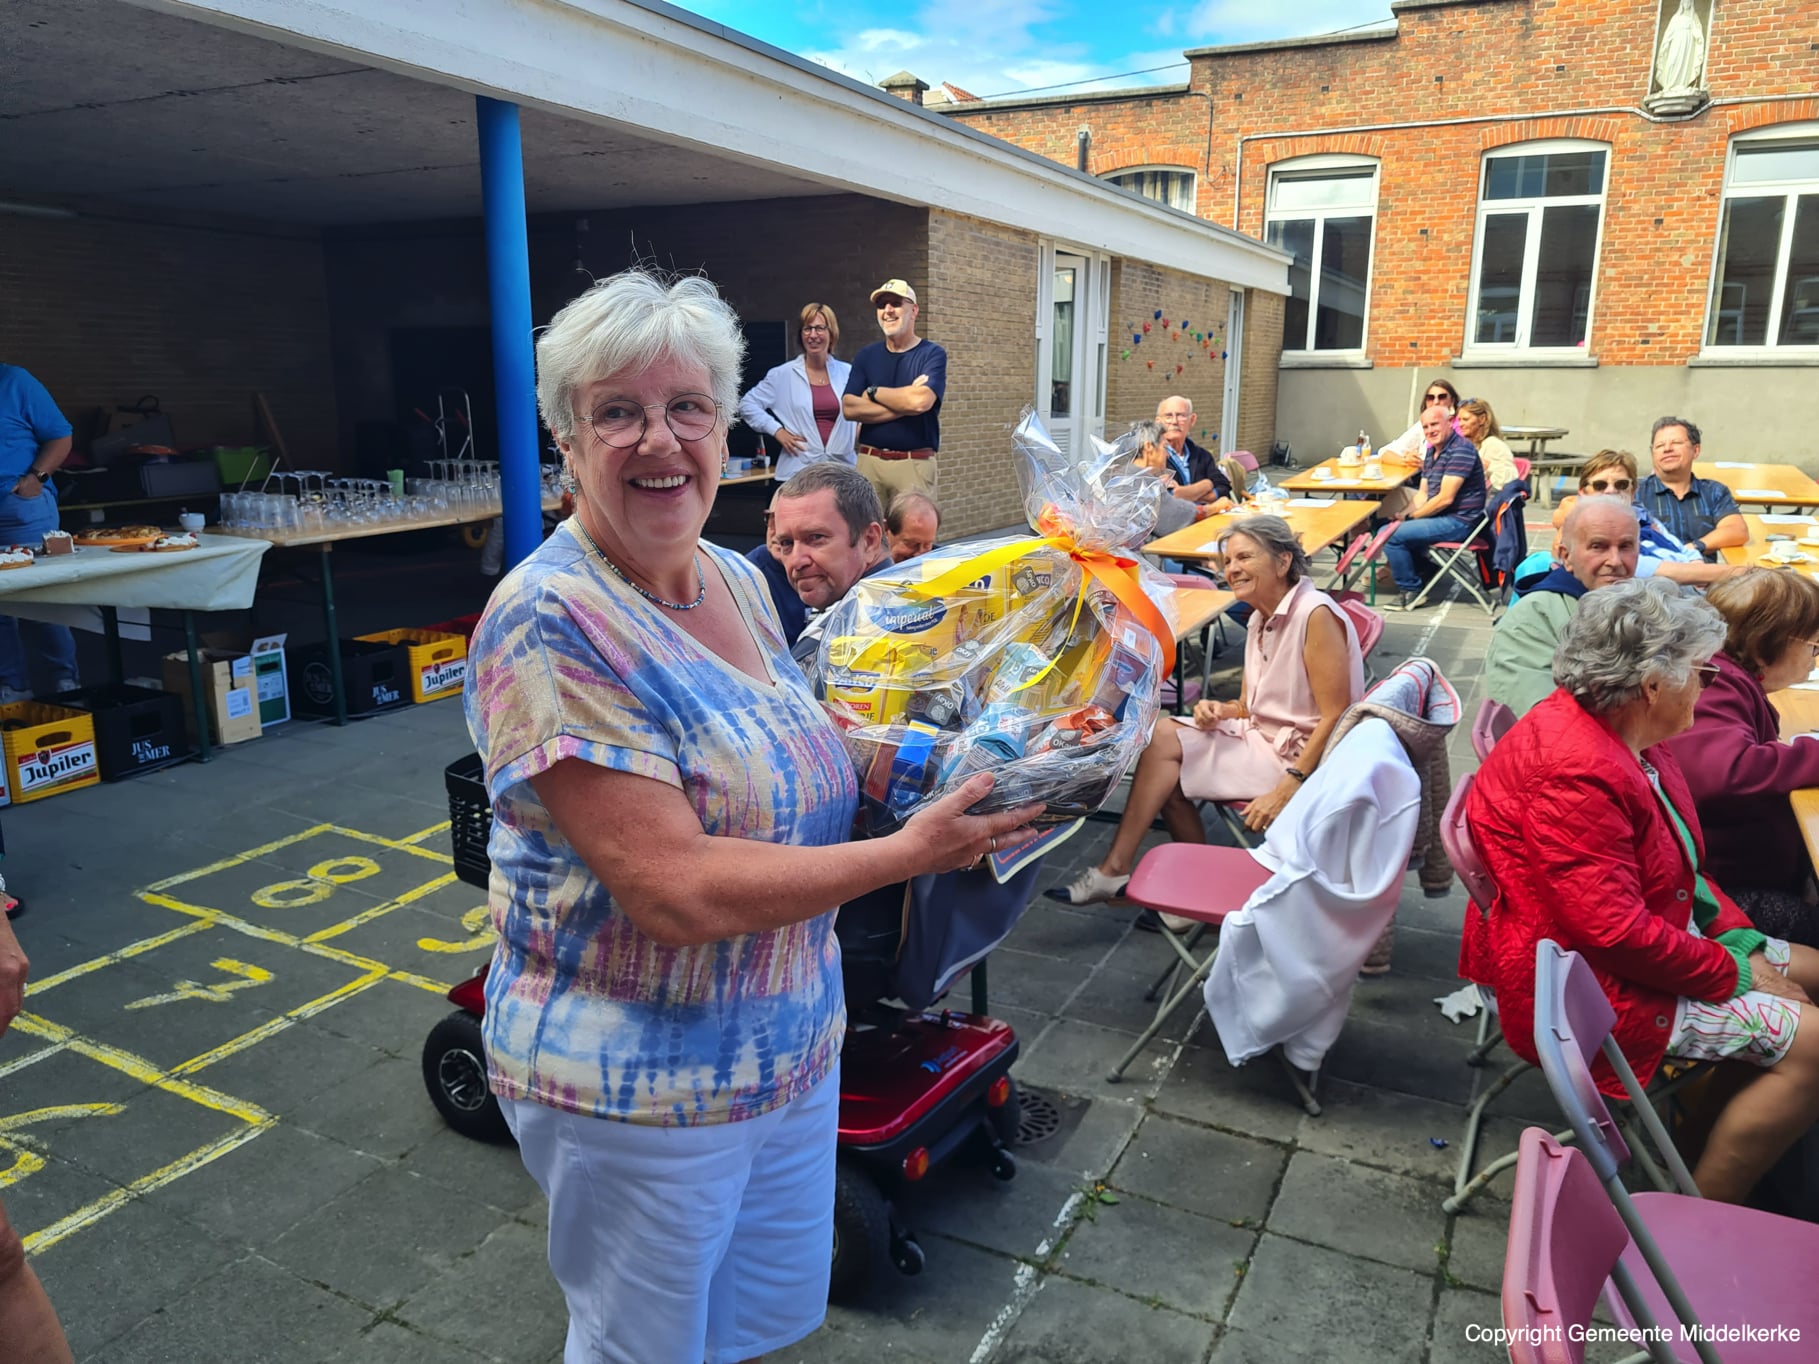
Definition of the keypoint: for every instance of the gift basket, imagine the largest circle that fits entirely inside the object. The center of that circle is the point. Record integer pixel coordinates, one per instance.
(1039, 659)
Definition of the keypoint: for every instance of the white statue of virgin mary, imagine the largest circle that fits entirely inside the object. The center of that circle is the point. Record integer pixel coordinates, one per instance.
(1680, 60)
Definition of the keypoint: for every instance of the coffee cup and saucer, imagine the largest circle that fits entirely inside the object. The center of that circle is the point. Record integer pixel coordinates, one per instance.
(1323, 475)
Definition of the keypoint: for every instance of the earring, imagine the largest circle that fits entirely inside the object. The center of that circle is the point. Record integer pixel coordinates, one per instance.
(566, 480)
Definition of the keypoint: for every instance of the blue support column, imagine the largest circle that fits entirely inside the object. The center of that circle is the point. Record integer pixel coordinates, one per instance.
(508, 274)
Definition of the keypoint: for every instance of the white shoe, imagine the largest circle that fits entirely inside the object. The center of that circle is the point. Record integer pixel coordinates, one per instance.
(12, 696)
(66, 684)
(1090, 887)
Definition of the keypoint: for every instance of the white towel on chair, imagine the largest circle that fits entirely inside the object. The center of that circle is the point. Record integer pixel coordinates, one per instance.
(1288, 960)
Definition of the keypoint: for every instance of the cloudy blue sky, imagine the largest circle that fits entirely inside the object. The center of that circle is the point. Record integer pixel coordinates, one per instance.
(996, 47)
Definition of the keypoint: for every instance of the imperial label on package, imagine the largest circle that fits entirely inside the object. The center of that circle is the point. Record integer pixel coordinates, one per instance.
(53, 766)
(435, 678)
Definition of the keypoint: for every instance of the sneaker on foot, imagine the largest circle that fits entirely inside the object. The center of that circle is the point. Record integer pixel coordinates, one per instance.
(12, 695)
(1090, 887)
(66, 684)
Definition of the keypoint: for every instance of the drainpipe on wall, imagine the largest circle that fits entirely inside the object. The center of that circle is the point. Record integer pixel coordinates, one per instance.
(1083, 149)
(508, 280)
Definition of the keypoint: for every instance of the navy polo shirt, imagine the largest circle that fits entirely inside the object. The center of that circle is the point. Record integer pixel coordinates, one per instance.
(1458, 457)
(1692, 517)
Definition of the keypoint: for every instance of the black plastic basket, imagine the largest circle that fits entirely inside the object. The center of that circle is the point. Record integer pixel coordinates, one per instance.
(470, 817)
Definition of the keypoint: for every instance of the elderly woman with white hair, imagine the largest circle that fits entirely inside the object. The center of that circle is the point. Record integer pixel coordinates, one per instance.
(670, 818)
(1586, 824)
(1302, 669)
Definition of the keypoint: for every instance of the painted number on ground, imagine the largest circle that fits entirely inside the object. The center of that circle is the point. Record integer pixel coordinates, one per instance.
(474, 922)
(246, 977)
(315, 885)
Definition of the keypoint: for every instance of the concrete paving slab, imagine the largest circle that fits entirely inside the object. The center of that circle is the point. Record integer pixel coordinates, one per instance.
(252, 1312)
(1089, 1147)
(1245, 1347)
(1400, 1060)
(443, 935)
(499, 1301)
(1115, 999)
(1050, 929)
(384, 1110)
(1040, 985)
(1214, 1174)
(394, 1016)
(1475, 1245)
(1461, 1322)
(939, 1316)
(1075, 1323)
(1363, 1212)
(1387, 1130)
(1074, 1057)
(289, 1068)
(1253, 1100)
(98, 1302)
(390, 1343)
(1158, 1255)
(965, 1203)
(484, 1170)
(1305, 1299)
(258, 1191)
(386, 1238)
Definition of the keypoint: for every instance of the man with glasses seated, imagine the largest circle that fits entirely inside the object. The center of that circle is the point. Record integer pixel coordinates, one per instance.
(894, 392)
(1597, 548)
(1612, 473)
(1699, 511)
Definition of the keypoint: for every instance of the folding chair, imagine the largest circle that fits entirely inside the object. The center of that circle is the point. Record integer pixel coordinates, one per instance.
(1492, 722)
(1177, 878)
(1362, 556)
(1468, 560)
(1456, 836)
(1368, 625)
(1740, 1266)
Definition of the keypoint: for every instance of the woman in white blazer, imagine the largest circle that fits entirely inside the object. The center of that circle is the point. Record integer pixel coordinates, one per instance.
(798, 402)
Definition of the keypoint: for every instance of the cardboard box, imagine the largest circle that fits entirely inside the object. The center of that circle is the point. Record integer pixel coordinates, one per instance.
(229, 691)
(270, 678)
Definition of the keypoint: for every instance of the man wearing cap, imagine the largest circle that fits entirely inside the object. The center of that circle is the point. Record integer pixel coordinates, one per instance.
(894, 392)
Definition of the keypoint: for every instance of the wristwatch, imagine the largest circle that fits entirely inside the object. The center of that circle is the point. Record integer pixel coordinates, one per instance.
(42, 480)
(1698, 545)
(1297, 774)
(871, 394)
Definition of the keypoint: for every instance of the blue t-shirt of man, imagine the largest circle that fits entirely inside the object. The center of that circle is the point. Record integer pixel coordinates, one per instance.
(790, 608)
(1457, 457)
(879, 366)
(28, 418)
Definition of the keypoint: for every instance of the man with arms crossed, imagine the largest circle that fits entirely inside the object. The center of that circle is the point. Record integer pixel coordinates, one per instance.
(894, 392)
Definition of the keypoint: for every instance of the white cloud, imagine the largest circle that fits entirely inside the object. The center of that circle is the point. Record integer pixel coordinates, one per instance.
(1241, 21)
(887, 40)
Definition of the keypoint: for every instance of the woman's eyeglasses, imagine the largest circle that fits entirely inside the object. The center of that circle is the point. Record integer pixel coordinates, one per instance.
(1611, 485)
(1707, 674)
(621, 423)
(814, 327)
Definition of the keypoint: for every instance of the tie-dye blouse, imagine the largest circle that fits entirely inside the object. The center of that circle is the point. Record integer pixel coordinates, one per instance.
(583, 1011)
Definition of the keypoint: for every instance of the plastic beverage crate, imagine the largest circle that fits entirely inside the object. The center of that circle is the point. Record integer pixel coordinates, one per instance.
(470, 817)
(48, 749)
(438, 661)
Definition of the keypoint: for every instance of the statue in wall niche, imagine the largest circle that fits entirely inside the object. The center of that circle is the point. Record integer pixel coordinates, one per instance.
(1679, 74)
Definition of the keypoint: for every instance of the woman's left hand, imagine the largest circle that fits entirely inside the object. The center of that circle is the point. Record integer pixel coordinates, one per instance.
(1262, 812)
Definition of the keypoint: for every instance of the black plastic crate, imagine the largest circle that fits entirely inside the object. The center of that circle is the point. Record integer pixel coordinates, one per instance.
(137, 729)
(470, 817)
(374, 676)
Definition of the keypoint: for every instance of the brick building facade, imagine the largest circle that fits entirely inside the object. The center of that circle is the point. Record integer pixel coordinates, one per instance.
(1506, 192)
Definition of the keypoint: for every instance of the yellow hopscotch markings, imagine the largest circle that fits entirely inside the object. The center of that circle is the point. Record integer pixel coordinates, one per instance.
(91, 1213)
(140, 1069)
(272, 1027)
(144, 945)
(366, 916)
(477, 923)
(316, 884)
(31, 1058)
(249, 977)
(423, 834)
(28, 1162)
(395, 844)
(240, 858)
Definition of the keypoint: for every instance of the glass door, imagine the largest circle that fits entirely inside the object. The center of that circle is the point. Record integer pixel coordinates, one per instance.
(1066, 386)
(1234, 367)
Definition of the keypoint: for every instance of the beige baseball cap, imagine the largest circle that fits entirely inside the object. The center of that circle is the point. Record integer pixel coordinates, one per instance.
(897, 287)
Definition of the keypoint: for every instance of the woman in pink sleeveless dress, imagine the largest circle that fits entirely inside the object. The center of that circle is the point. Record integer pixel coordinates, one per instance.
(1302, 669)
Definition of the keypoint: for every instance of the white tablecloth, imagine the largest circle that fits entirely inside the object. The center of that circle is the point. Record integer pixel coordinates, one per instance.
(69, 589)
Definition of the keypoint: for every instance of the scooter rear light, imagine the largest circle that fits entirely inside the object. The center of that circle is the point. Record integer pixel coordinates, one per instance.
(1000, 1092)
(915, 1164)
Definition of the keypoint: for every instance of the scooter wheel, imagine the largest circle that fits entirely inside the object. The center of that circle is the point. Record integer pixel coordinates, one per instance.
(454, 1071)
(907, 1256)
(862, 1233)
(1003, 1166)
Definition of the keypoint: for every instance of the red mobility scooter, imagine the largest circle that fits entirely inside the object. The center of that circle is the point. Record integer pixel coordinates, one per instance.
(919, 1084)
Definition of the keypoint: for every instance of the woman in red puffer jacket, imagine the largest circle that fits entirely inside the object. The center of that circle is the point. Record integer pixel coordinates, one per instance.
(1584, 821)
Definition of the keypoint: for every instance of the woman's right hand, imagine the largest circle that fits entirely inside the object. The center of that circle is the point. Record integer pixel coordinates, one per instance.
(1771, 981)
(789, 440)
(952, 840)
(1209, 713)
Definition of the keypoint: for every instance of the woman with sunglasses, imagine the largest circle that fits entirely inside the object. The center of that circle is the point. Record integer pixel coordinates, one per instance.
(1612, 473)
(1409, 444)
(1740, 771)
(1585, 822)
(671, 808)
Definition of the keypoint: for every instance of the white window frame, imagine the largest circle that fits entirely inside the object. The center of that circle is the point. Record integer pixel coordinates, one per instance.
(1193, 183)
(1300, 167)
(1531, 249)
(1807, 131)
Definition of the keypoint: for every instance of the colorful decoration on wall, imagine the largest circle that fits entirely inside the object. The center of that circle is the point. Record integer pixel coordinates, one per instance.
(1209, 344)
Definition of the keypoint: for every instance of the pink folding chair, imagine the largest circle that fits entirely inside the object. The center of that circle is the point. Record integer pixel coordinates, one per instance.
(1565, 1241)
(1522, 467)
(1362, 556)
(1739, 1266)
(1369, 627)
(1492, 722)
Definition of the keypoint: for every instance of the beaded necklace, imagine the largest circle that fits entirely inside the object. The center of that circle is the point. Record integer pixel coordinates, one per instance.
(700, 577)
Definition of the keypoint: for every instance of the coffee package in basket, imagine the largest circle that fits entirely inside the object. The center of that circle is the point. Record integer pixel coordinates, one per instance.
(1039, 659)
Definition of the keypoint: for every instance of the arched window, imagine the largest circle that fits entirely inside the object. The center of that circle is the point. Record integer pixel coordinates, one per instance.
(1765, 290)
(1164, 184)
(1322, 210)
(1535, 260)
